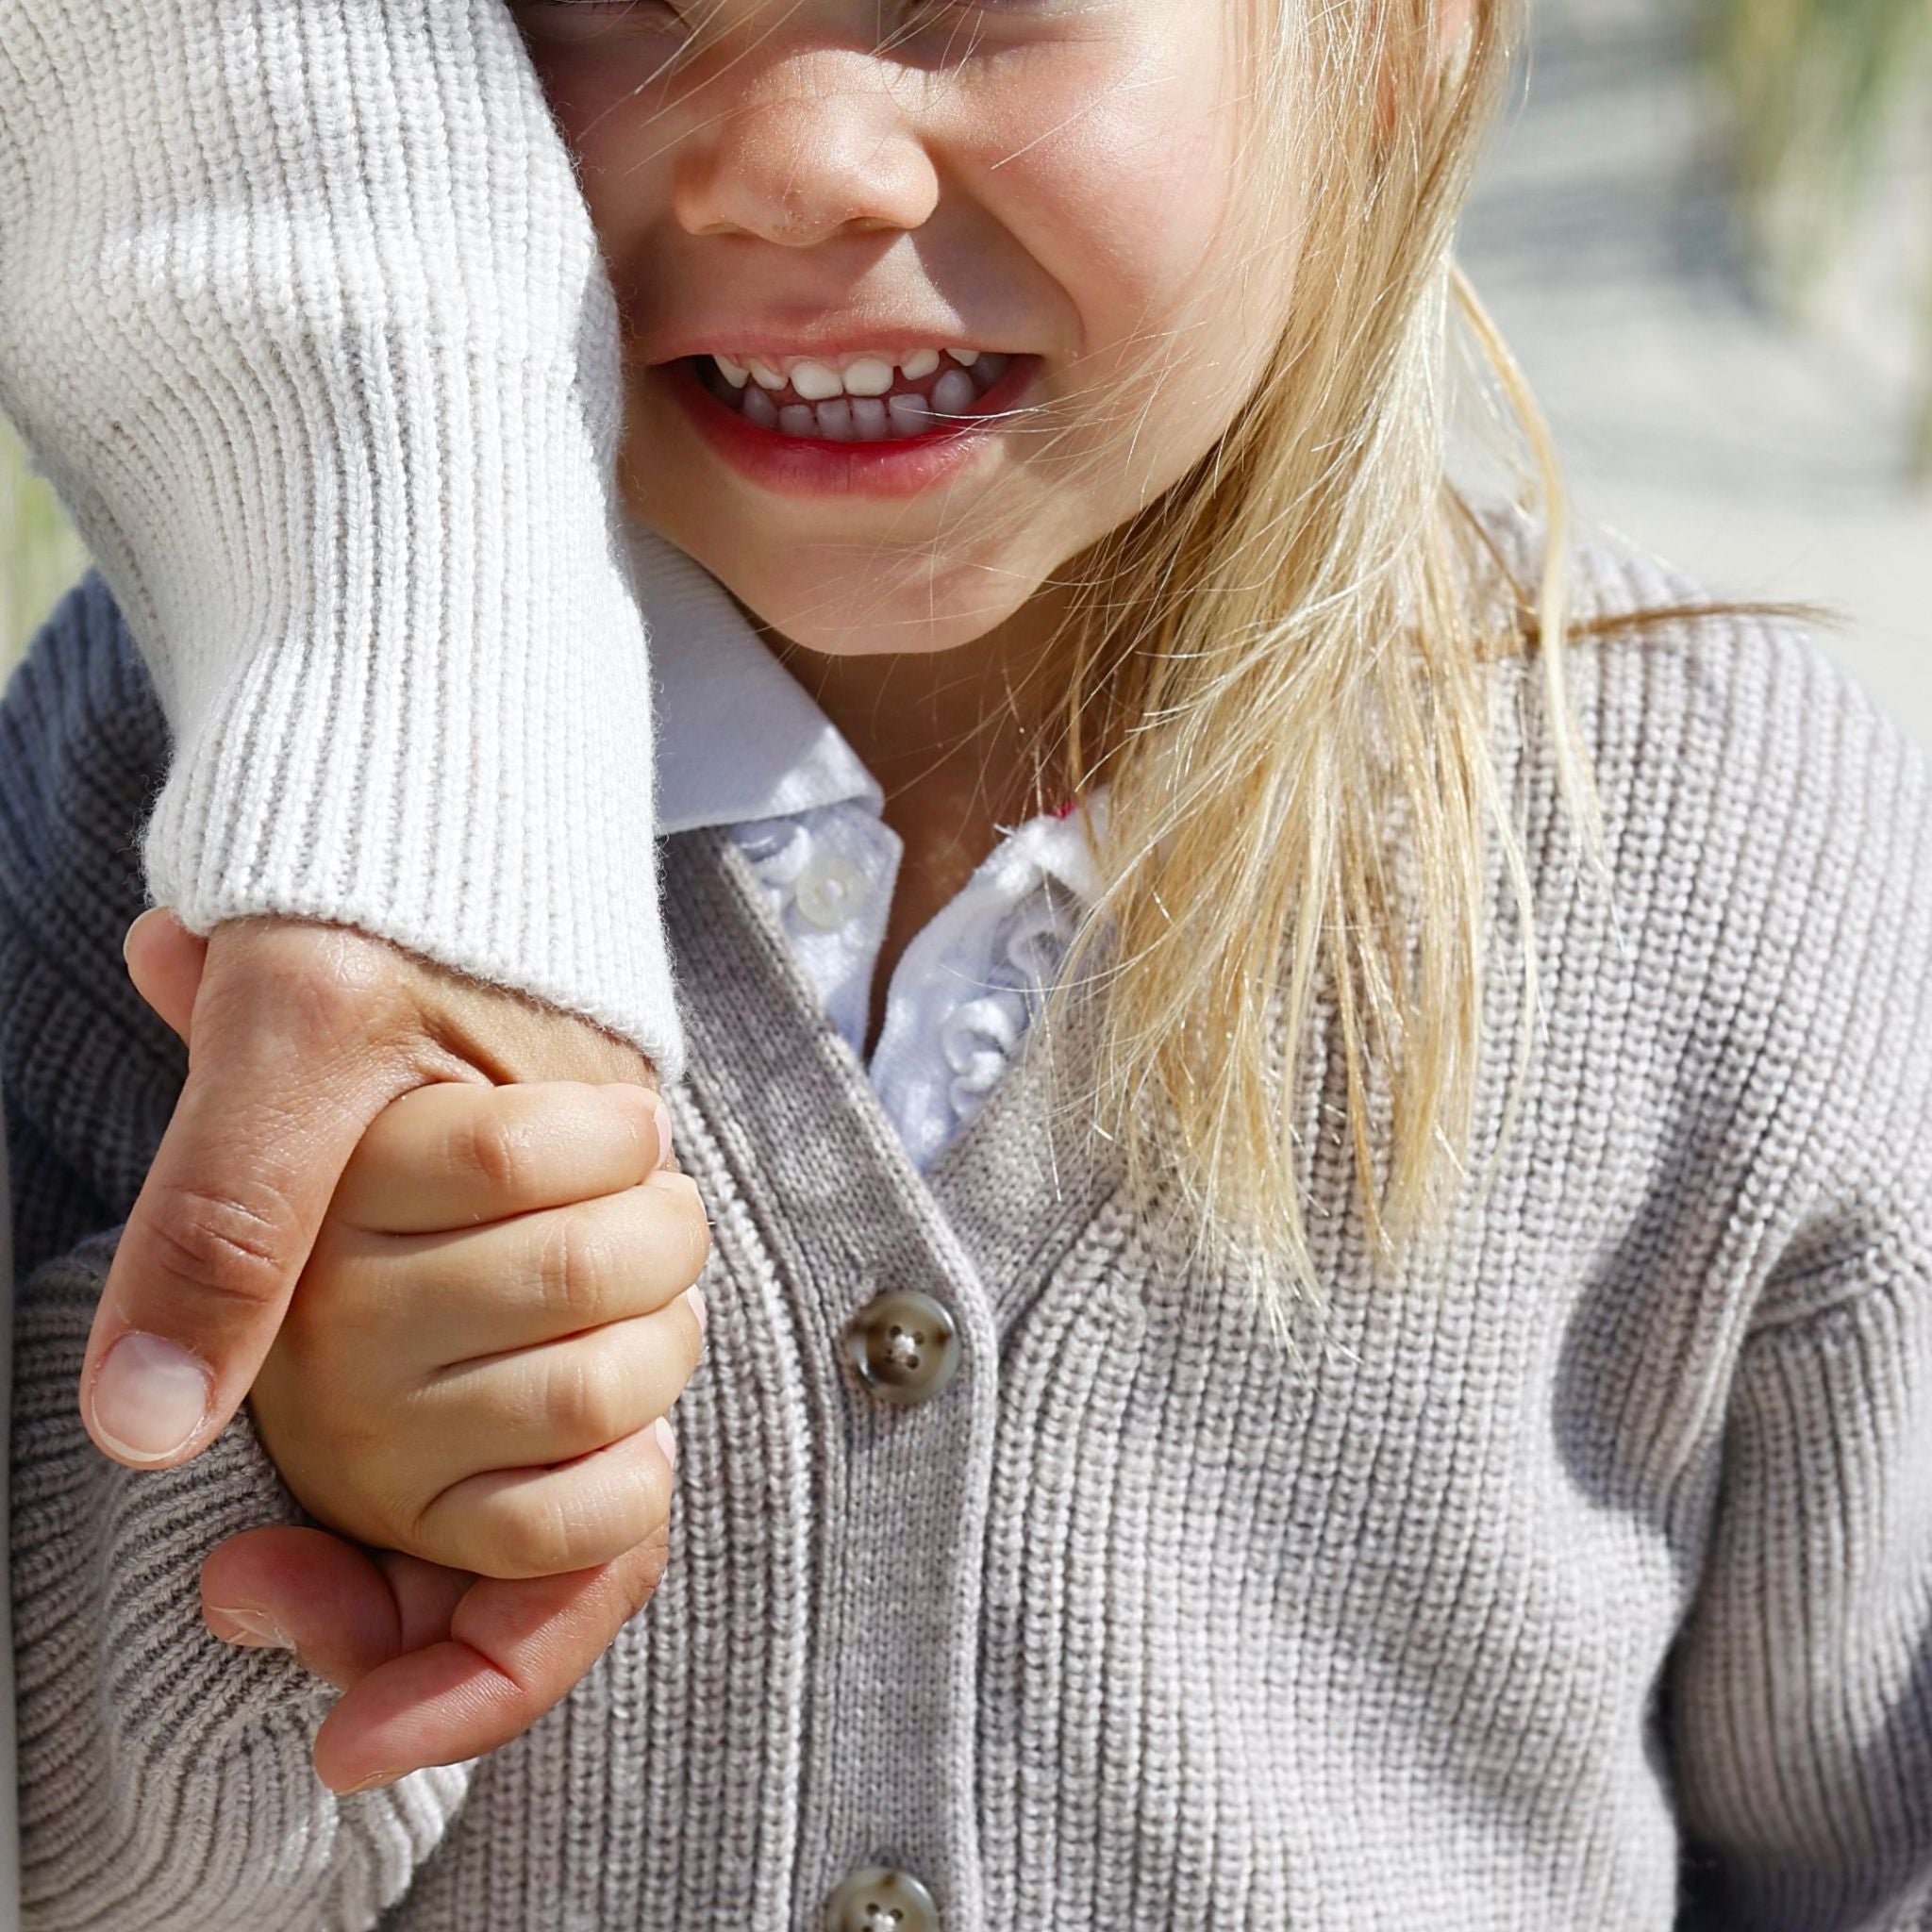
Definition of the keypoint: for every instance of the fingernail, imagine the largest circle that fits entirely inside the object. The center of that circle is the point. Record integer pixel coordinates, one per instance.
(664, 1134)
(372, 1782)
(150, 1397)
(134, 925)
(694, 1295)
(254, 1628)
(667, 1440)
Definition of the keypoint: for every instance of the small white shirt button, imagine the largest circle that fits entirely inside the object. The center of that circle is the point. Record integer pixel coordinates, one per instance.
(829, 891)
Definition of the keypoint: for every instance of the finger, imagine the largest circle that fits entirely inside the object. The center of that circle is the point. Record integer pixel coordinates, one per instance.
(450, 1155)
(340, 1610)
(165, 961)
(525, 1281)
(283, 1079)
(535, 1522)
(514, 1650)
(568, 1397)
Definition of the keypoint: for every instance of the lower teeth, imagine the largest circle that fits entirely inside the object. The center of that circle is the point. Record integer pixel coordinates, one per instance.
(868, 419)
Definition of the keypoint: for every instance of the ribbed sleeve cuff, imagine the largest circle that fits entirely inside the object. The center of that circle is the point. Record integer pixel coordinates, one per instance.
(444, 734)
(303, 315)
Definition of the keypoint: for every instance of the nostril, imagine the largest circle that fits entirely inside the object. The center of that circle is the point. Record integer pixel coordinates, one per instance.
(800, 159)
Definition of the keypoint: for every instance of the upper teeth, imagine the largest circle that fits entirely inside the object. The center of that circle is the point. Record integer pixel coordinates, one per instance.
(866, 375)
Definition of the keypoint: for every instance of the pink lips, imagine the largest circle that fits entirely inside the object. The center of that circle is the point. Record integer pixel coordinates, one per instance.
(817, 466)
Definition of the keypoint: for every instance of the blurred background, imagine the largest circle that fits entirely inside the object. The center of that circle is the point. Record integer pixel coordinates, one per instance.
(1707, 230)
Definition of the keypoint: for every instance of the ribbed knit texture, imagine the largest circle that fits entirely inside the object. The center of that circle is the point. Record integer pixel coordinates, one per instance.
(1602, 1539)
(303, 315)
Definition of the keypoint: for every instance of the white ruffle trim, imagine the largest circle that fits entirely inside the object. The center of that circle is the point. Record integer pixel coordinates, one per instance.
(967, 987)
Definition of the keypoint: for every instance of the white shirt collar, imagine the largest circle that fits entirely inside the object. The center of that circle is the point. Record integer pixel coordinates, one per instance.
(739, 738)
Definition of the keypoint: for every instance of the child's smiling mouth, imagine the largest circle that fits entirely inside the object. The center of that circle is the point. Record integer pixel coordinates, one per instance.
(871, 397)
(876, 424)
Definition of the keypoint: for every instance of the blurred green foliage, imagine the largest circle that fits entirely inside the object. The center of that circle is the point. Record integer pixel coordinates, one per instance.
(1821, 95)
(39, 556)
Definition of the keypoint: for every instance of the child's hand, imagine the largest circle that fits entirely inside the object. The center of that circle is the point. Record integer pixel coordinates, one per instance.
(500, 1305)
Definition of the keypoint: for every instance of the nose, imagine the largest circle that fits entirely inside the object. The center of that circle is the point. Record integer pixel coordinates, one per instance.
(805, 151)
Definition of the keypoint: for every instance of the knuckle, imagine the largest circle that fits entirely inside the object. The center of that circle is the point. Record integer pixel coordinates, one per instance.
(329, 1004)
(333, 986)
(573, 1266)
(586, 1397)
(488, 1146)
(221, 1242)
(562, 1526)
(536, 1537)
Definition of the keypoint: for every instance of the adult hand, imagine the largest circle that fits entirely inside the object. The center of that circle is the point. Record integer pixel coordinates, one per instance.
(437, 1665)
(299, 1035)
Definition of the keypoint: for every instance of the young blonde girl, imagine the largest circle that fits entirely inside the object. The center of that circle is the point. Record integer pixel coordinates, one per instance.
(1272, 1455)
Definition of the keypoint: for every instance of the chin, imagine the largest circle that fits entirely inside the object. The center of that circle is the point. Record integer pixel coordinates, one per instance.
(874, 638)
(863, 621)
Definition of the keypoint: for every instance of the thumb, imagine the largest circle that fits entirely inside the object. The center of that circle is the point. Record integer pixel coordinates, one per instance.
(165, 961)
(282, 1083)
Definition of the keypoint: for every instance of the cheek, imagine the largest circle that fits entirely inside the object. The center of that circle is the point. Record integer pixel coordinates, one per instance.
(1132, 206)
(1108, 161)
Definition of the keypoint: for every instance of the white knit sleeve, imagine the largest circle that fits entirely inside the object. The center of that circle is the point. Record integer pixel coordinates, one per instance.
(303, 315)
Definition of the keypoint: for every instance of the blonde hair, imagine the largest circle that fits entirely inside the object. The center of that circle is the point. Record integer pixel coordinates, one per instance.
(1282, 660)
(1277, 672)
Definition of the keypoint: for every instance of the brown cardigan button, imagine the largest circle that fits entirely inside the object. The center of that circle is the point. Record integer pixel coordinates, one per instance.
(904, 1345)
(877, 1899)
